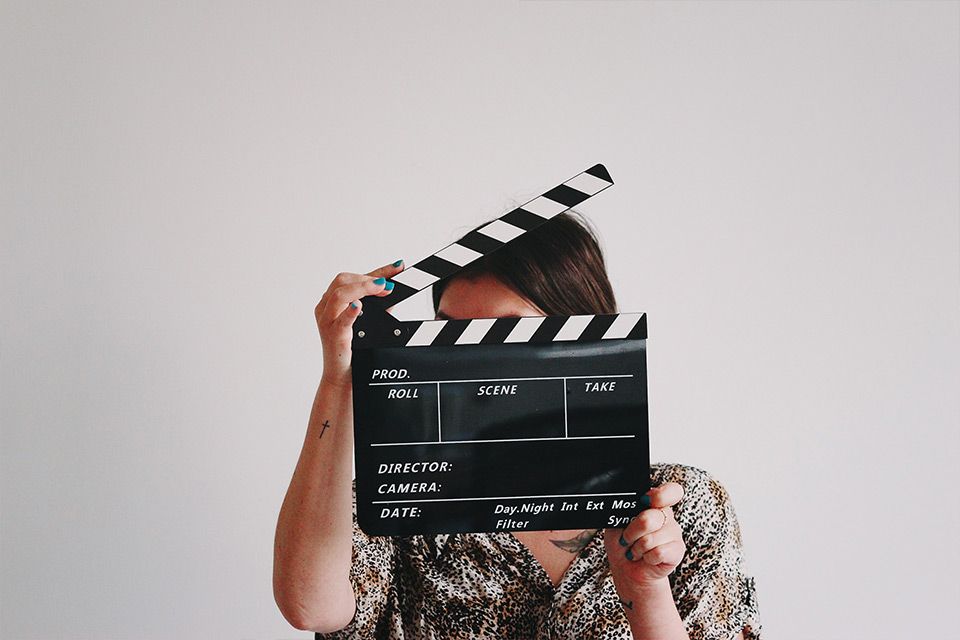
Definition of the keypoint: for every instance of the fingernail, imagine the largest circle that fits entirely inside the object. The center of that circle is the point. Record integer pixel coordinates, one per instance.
(398, 262)
(380, 280)
(353, 304)
(629, 554)
(389, 286)
(645, 502)
(623, 542)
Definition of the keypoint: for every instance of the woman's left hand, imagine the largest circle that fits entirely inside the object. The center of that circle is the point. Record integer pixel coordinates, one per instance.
(651, 546)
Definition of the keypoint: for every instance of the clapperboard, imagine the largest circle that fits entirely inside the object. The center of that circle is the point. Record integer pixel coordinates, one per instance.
(498, 424)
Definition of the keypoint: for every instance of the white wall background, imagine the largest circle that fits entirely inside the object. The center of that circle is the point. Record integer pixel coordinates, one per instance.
(180, 181)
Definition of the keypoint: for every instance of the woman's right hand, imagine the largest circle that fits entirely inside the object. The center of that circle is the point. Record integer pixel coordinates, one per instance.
(336, 312)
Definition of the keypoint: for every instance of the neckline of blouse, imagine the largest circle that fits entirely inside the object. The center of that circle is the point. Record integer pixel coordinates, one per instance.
(509, 543)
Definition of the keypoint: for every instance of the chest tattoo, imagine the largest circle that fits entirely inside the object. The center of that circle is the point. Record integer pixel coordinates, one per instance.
(577, 543)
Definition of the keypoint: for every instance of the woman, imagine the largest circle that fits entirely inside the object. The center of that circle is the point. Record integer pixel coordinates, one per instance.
(676, 571)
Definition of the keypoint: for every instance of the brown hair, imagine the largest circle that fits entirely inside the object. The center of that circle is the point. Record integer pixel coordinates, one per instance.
(558, 266)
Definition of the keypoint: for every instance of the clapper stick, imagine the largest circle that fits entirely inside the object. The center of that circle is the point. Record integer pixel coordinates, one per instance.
(498, 424)
(378, 327)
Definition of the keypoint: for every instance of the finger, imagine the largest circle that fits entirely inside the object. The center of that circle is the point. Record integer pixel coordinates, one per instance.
(670, 553)
(647, 521)
(666, 495)
(339, 298)
(351, 313)
(388, 270)
(347, 277)
(342, 278)
(668, 533)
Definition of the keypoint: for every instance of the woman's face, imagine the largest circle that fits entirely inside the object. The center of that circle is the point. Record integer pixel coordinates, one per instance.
(482, 297)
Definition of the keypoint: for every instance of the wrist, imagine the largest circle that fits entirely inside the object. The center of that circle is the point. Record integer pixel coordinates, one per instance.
(651, 611)
(647, 590)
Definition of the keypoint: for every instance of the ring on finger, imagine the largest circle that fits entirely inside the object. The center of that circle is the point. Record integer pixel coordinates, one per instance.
(629, 553)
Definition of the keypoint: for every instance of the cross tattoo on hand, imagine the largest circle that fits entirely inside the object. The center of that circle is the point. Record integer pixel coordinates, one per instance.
(326, 423)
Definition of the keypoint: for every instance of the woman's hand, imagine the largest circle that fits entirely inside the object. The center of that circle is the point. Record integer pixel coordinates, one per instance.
(339, 306)
(651, 546)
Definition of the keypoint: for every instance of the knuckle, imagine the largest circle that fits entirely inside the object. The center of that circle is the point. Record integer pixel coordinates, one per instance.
(339, 295)
(652, 555)
(645, 542)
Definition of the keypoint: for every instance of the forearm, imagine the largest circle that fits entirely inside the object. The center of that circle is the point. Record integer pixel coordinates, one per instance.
(312, 545)
(652, 612)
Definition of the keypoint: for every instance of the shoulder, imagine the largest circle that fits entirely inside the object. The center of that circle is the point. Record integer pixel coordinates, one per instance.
(706, 505)
(713, 590)
(695, 479)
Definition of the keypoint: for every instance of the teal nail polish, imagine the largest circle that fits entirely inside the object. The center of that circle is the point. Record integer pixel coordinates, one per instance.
(398, 262)
(629, 554)
(353, 304)
(644, 502)
(389, 286)
(623, 542)
(380, 280)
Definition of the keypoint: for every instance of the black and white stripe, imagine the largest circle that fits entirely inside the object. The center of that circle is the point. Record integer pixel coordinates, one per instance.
(495, 234)
(530, 329)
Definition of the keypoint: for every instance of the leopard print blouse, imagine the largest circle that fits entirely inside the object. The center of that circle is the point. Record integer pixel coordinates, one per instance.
(489, 585)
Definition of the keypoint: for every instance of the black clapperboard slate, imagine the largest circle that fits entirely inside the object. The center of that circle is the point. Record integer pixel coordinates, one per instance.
(498, 424)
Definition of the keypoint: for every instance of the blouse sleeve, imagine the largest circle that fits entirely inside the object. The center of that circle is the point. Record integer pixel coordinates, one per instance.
(371, 575)
(715, 595)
